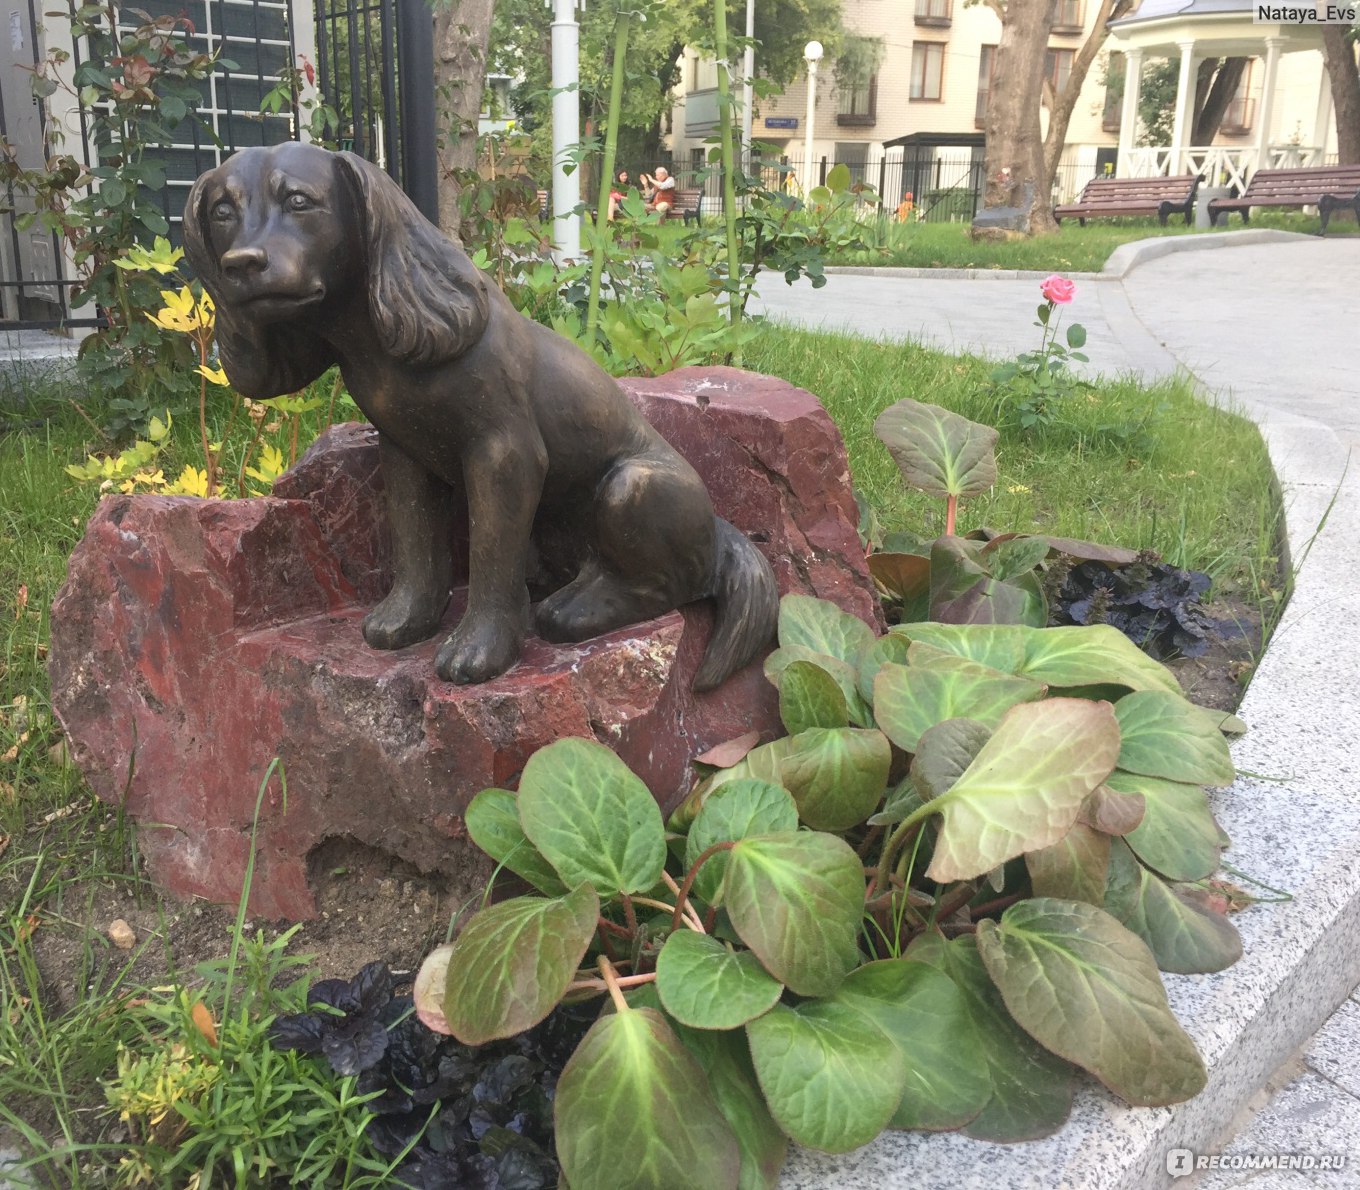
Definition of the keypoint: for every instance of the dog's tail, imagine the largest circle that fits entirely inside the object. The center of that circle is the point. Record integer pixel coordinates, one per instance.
(748, 607)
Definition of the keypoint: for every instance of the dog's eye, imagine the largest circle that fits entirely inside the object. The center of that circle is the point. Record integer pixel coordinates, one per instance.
(297, 201)
(223, 210)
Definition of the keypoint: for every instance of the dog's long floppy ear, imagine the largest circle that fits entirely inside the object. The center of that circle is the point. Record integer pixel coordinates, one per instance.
(426, 298)
(261, 361)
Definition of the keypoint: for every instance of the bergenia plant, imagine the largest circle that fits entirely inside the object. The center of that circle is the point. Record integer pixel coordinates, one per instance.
(976, 578)
(945, 893)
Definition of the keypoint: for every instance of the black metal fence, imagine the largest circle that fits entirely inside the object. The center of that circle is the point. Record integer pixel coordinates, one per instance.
(925, 187)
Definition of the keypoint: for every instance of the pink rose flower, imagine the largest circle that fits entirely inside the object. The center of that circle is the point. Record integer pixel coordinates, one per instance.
(1058, 289)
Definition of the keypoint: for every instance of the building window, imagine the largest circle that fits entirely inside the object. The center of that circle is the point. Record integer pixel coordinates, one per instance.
(1067, 16)
(927, 69)
(857, 101)
(933, 12)
(986, 65)
(1112, 112)
(1241, 108)
(1058, 68)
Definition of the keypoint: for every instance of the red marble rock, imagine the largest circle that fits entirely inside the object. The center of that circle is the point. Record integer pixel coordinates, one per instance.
(196, 641)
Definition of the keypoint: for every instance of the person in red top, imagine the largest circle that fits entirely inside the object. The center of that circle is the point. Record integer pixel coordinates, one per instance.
(618, 193)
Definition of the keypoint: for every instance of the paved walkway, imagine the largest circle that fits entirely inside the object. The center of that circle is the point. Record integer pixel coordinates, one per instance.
(1268, 329)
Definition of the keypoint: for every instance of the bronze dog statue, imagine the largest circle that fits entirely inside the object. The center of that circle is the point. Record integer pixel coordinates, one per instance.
(316, 258)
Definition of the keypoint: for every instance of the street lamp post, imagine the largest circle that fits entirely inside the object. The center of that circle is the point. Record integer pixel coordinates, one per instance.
(566, 130)
(812, 54)
(748, 70)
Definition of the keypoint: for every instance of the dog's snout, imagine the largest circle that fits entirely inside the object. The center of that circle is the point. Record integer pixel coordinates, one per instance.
(243, 262)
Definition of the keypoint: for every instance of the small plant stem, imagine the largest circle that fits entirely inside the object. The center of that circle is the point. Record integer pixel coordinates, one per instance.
(874, 834)
(611, 141)
(630, 914)
(93, 424)
(293, 442)
(335, 392)
(690, 915)
(953, 902)
(951, 512)
(993, 906)
(599, 985)
(245, 459)
(209, 461)
(654, 904)
(682, 894)
(612, 983)
(609, 927)
(905, 832)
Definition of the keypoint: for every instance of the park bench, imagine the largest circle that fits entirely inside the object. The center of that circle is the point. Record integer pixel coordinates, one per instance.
(1108, 197)
(1328, 187)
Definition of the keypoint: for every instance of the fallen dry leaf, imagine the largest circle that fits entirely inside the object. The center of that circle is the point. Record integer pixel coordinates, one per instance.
(22, 600)
(202, 1018)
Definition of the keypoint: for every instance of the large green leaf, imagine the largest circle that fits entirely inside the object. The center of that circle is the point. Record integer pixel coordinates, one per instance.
(1184, 935)
(706, 985)
(1090, 655)
(999, 646)
(1088, 989)
(743, 807)
(909, 701)
(1031, 1089)
(512, 963)
(592, 818)
(726, 1061)
(889, 649)
(1074, 868)
(492, 819)
(810, 697)
(938, 452)
(796, 900)
(821, 626)
(836, 776)
(1178, 836)
(1025, 787)
(1165, 735)
(633, 1111)
(923, 1013)
(845, 675)
(1010, 557)
(904, 578)
(964, 591)
(944, 753)
(831, 1078)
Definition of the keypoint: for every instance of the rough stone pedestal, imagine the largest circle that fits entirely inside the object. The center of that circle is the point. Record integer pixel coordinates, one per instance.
(197, 640)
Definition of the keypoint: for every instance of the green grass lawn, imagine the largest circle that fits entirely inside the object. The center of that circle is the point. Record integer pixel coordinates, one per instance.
(1141, 467)
(1072, 249)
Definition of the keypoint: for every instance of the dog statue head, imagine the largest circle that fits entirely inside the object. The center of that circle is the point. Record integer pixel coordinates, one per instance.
(287, 239)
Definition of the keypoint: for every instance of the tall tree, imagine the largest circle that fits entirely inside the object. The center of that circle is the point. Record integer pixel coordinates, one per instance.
(1216, 84)
(462, 29)
(1015, 143)
(1061, 105)
(1338, 52)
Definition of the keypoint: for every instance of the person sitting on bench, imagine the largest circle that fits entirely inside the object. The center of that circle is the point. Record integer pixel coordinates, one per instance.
(660, 191)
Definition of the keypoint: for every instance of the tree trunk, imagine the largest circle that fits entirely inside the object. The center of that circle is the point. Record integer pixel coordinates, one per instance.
(1339, 56)
(461, 32)
(1210, 112)
(1015, 144)
(1061, 109)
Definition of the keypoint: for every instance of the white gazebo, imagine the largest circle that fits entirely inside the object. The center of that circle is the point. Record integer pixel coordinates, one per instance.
(1192, 30)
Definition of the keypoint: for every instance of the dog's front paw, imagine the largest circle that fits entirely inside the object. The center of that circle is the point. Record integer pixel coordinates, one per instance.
(479, 652)
(402, 619)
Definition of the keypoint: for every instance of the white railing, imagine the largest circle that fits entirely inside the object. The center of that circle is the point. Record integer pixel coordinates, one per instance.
(1219, 165)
